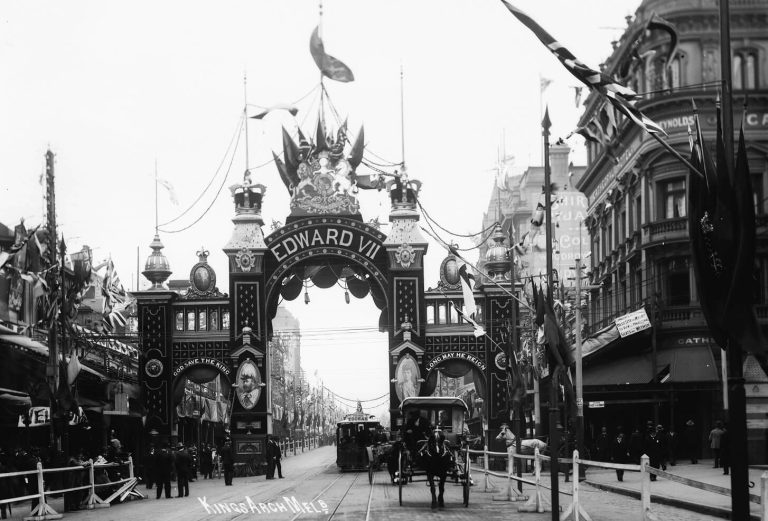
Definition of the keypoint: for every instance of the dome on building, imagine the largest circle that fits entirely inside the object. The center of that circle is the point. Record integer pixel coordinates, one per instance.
(156, 269)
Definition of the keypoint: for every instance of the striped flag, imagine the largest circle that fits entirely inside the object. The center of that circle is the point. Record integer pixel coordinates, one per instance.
(621, 97)
(114, 298)
(467, 283)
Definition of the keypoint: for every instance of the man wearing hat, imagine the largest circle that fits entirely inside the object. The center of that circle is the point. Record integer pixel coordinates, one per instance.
(228, 462)
(183, 466)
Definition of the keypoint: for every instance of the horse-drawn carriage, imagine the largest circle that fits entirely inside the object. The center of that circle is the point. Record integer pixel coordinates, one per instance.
(433, 443)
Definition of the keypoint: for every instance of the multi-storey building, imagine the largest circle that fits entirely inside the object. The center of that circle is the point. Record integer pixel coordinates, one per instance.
(638, 229)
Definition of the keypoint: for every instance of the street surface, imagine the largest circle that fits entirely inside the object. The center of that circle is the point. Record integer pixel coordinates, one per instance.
(314, 489)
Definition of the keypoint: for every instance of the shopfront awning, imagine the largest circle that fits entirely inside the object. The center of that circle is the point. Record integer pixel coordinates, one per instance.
(678, 365)
(26, 343)
(599, 340)
(624, 371)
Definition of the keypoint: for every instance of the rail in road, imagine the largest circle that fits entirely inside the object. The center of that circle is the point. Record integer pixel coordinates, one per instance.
(314, 489)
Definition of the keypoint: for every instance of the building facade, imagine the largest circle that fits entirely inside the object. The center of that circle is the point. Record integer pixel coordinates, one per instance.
(637, 224)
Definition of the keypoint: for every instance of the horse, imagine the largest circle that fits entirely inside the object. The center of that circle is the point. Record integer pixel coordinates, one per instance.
(435, 458)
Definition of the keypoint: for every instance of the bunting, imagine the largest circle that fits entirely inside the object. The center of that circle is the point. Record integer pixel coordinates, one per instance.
(621, 97)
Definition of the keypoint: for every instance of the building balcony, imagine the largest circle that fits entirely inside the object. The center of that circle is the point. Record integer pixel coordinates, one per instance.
(665, 231)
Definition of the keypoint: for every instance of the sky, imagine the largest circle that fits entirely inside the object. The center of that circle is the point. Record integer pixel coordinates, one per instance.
(117, 89)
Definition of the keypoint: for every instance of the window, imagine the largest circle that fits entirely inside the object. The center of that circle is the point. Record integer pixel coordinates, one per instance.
(441, 314)
(744, 70)
(676, 279)
(636, 282)
(623, 226)
(622, 293)
(672, 203)
(430, 314)
(190, 320)
(225, 319)
(179, 321)
(203, 320)
(675, 72)
(214, 320)
(638, 213)
(453, 315)
(609, 235)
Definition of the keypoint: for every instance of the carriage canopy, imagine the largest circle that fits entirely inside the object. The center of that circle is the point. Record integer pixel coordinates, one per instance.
(446, 412)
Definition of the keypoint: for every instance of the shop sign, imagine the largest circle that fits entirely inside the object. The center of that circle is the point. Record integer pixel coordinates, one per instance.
(596, 405)
(455, 355)
(632, 323)
(218, 364)
(38, 416)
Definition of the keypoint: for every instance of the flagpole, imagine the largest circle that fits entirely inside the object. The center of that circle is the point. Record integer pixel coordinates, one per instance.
(156, 220)
(737, 418)
(402, 118)
(677, 155)
(321, 118)
(554, 410)
(245, 122)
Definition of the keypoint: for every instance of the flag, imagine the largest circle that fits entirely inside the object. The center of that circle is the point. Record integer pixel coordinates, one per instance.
(622, 98)
(721, 221)
(479, 331)
(280, 106)
(467, 283)
(171, 192)
(114, 298)
(356, 154)
(515, 383)
(328, 65)
(73, 369)
(577, 95)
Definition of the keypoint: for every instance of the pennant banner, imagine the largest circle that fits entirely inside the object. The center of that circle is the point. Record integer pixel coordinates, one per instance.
(330, 67)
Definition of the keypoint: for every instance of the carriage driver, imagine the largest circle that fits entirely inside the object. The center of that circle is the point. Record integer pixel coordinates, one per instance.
(416, 428)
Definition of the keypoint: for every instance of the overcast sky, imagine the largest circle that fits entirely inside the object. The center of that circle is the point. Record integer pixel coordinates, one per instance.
(113, 87)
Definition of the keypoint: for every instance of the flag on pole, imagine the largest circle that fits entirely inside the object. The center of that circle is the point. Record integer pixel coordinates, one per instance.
(171, 192)
(330, 67)
(621, 97)
(467, 290)
(73, 369)
(479, 331)
(114, 298)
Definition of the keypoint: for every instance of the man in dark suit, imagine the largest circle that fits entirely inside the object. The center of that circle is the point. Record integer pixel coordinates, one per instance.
(228, 462)
(163, 469)
(273, 458)
(183, 470)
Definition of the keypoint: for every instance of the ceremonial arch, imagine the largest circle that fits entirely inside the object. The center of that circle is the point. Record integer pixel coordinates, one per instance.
(203, 334)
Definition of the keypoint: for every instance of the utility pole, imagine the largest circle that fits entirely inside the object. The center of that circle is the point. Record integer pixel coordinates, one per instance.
(579, 371)
(554, 410)
(52, 371)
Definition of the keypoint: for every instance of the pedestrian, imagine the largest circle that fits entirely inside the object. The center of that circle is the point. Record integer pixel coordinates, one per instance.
(725, 451)
(273, 459)
(692, 440)
(163, 470)
(149, 466)
(228, 462)
(672, 447)
(183, 464)
(715, 438)
(620, 452)
(663, 442)
(206, 461)
(75, 478)
(652, 449)
(603, 445)
(636, 445)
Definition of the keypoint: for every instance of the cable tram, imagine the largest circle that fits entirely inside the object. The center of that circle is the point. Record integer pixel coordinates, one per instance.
(356, 434)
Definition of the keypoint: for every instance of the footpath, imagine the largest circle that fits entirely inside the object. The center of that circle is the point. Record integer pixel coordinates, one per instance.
(677, 494)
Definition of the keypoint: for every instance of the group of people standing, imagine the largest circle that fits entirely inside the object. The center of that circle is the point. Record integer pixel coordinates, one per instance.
(660, 446)
(162, 464)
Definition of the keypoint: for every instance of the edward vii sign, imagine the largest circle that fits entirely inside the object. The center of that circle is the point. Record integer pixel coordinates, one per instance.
(456, 355)
(332, 233)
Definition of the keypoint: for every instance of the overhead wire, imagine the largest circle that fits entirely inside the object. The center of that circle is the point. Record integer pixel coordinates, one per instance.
(235, 135)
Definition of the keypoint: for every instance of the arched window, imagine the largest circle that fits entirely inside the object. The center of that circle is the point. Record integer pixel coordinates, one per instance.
(744, 71)
(676, 72)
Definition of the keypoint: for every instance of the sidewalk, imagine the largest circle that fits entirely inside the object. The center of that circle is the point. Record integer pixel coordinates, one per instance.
(677, 494)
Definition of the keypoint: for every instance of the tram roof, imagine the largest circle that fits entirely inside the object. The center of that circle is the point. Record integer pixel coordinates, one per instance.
(433, 401)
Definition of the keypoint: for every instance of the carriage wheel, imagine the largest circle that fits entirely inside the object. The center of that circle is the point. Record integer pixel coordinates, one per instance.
(400, 478)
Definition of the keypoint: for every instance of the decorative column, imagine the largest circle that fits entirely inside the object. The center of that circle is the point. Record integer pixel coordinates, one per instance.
(406, 247)
(251, 417)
